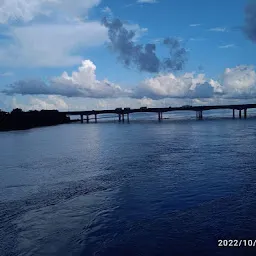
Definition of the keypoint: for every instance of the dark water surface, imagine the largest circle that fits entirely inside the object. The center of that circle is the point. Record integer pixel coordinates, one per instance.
(145, 188)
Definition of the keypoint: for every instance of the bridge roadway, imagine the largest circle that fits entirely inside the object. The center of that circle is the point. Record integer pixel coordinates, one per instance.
(127, 111)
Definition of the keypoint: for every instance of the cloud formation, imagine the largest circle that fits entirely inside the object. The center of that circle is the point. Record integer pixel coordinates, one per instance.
(51, 45)
(27, 10)
(141, 56)
(188, 85)
(47, 33)
(234, 83)
(239, 82)
(82, 83)
(48, 103)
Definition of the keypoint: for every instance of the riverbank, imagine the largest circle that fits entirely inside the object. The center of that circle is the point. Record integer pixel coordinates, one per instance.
(19, 120)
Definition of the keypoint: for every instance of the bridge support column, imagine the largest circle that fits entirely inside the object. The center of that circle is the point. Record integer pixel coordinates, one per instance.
(234, 114)
(123, 117)
(159, 116)
(245, 113)
(240, 113)
(96, 119)
(119, 117)
(199, 115)
(128, 117)
(82, 118)
(87, 119)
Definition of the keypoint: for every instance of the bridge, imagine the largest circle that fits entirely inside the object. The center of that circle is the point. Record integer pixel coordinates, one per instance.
(125, 112)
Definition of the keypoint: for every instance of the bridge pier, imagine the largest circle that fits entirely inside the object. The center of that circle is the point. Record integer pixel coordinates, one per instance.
(245, 113)
(123, 117)
(96, 119)
(87, 119)
(119, 117)
(199, 115)
(82, 118)
(160, 116)
(128, 117)
(234, 114)
(240, 113)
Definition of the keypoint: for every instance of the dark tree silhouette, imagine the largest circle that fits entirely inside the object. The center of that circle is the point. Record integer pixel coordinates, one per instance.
(20, 120)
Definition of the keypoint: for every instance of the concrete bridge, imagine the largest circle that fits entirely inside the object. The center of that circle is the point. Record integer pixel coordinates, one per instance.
(122, 113)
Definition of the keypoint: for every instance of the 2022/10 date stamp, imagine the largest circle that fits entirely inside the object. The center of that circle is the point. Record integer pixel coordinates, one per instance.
(237, 243)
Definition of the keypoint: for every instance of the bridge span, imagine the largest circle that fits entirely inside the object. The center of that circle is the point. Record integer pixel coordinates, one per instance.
(125, 112)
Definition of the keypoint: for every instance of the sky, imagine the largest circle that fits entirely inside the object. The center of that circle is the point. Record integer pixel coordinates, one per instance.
(95, 54)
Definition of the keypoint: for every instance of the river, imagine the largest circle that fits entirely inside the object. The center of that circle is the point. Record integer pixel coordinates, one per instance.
(144, 188)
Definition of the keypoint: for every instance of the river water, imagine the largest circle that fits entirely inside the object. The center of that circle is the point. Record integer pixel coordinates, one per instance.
(144, 188)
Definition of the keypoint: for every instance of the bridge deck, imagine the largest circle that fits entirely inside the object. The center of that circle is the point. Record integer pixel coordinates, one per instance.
(161, 110)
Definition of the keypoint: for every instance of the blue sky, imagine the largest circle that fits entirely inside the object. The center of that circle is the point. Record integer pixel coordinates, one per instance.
(40, 39)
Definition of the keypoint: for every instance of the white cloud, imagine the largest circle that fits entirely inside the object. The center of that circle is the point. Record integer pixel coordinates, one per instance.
(33, 103)
(56, 41)
(239, 82)
(218, 29)
(55, 45)
(234, 83)
(82, 83)
(107, 11)
(27, 10)
(161, 40)
(195, 25)
(52, 102)
(85, 83)
(69, 104)
(45, 45)
(21, 9)
(188, 85)
(147, 1)
(227, 46)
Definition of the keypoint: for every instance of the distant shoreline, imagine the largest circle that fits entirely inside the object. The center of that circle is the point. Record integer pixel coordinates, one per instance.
(19, 120)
